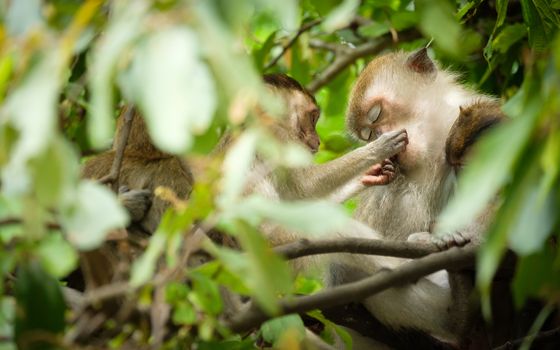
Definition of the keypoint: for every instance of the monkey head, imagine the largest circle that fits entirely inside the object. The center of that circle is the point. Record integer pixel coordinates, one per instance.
(473, 121)
(405, 91)
(301, 111)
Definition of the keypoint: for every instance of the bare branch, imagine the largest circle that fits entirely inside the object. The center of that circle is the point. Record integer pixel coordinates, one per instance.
(120, 142)
(305, 27)
(348, 56)
(18, 221)
(400, 249)
(549, 337)
(406, 273)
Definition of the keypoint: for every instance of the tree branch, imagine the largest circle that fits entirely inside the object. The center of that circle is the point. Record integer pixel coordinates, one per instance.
(120, 142)
(400, 249)
(406, 273)
(543, 338)
(305, 27)
(348, 56)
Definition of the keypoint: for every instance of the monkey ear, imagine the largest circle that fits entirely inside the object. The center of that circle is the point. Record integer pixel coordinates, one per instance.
(420, 62)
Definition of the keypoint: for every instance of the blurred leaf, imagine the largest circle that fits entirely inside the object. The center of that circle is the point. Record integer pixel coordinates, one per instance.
(536, 276)
(261, 54)
(184, 313)
(509, 36)
(23, 16)
(205, 293)
(273, 330)
(374, 29)
(7, 316)
(144, 267)
(242, 344)
(6, 66)
(313, 217)
(533, 223)
(237, 163)
(341, 15)
(40, 309)
(124, 26)
(94, 212)
(333, 328)
(55, 173)
(57, 255)
(268, 275)
(226, 272)
(173, 87)
(550, 162)
(35, 122)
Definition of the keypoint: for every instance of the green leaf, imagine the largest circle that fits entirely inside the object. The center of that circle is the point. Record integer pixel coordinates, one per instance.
(34, 122)
(313, 217)
(6, 66)
(509, 36)
(184, 313)
(144, 267)
(341, 15)
(533, 223)
(333, 328)
(205, 293)
(23, 16)
(40, 308)
(173, 87)
(236, 165)
(275, 329)
(268, 275)
(57, 255)
(125, 25)
(536, 276)
(374, 29)
(92, 214)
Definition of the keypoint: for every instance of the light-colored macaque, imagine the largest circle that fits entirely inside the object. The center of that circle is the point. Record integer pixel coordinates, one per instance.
(408, 91)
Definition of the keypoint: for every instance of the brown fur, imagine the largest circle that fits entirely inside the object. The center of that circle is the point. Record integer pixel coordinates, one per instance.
(472, 122)
(144, 167)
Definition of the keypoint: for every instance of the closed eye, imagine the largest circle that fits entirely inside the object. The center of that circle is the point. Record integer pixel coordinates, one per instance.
(374, 113)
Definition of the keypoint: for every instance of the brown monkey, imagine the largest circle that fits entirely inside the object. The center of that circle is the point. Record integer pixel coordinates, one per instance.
(473, 121)
(144, 167)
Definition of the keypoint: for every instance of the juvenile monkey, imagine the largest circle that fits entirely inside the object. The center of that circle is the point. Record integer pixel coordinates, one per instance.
(297, 124)
(396, 91)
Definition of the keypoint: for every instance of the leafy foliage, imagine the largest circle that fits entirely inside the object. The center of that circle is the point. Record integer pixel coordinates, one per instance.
(192, 68)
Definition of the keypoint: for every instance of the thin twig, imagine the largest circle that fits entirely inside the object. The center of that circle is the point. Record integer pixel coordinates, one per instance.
(120, 142)
(542, 338)
(399, 249)
(349, 56)
(10, 221)
(305, 27)
(406, 273)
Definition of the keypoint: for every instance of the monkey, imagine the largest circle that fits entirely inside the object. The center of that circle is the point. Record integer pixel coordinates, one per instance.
(395, 91)
(297, 124)
(144, 167)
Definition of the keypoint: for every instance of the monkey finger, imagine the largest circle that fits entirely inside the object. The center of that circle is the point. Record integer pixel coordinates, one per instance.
(389, 167)
(374, 170)
(370, 180)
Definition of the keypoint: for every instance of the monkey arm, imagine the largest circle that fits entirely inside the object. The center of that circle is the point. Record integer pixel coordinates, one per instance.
(321, 180)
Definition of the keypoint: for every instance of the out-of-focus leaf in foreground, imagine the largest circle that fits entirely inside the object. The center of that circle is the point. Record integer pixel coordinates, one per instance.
(173, 87)
(39, 310)
(93, 213)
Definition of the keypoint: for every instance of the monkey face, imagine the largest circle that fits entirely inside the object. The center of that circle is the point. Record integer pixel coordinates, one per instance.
(304, 114)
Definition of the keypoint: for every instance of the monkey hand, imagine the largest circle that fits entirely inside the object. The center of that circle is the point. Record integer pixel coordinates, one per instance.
(136, 202)
(449, 240)
(379, 174)
(389, 144)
